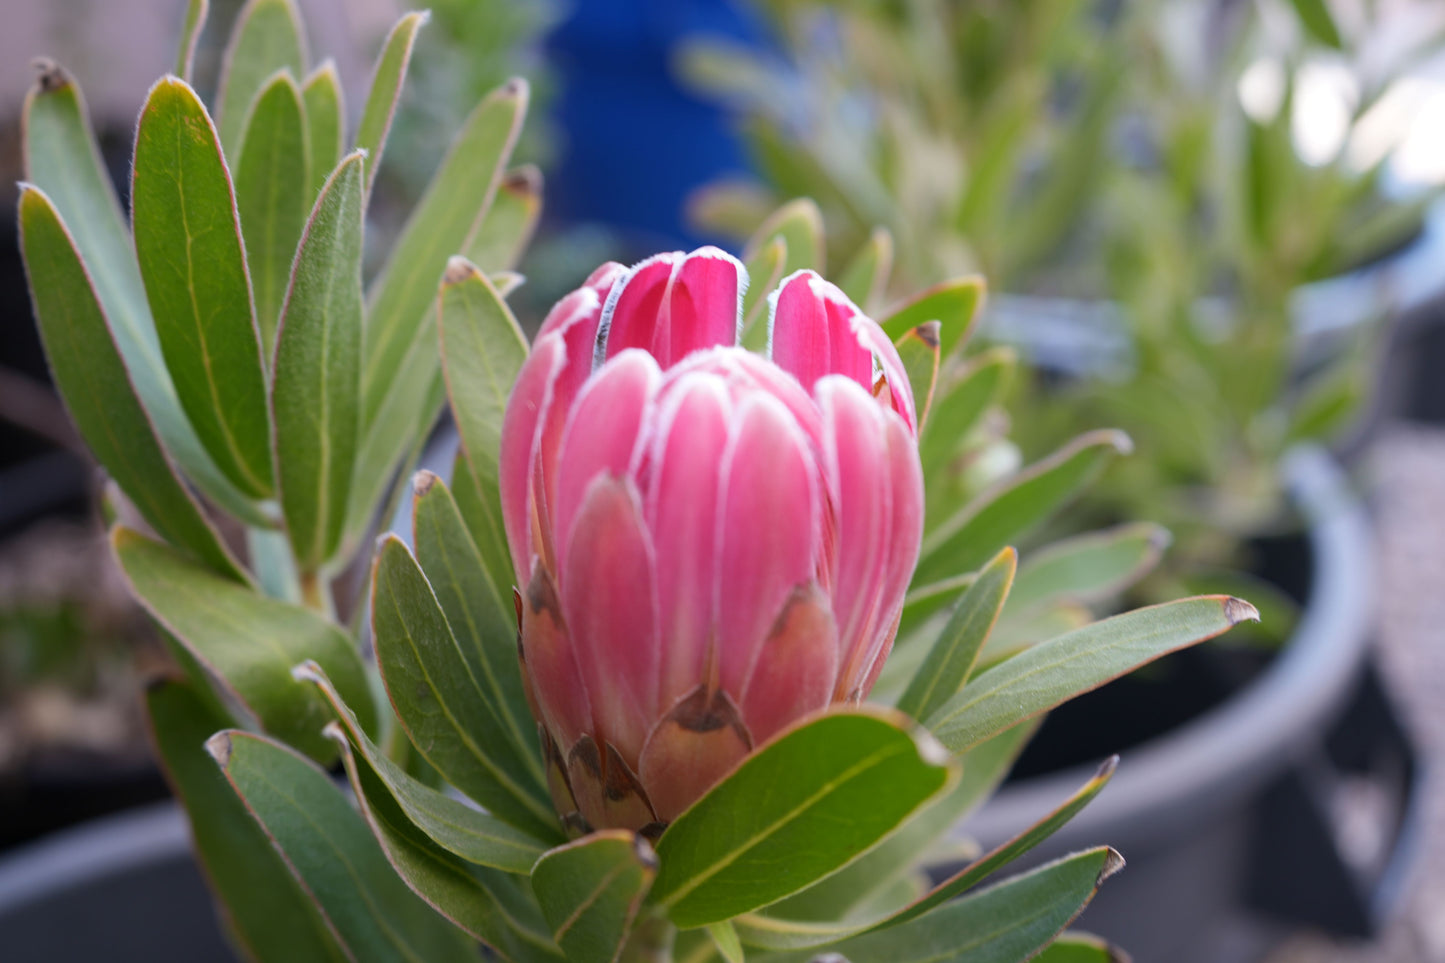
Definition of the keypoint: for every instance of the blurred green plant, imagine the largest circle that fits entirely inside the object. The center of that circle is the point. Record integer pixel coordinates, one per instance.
(1098, 161)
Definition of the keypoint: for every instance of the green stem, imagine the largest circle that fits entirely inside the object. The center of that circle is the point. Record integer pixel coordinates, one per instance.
(316, 594)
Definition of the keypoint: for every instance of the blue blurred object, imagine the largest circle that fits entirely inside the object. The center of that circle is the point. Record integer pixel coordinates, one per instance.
(636, 143)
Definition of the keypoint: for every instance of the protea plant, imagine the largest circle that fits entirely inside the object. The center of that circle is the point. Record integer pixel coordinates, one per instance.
(610, 702)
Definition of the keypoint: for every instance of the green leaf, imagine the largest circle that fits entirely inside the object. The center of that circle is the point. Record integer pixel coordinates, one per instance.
(1005, 923)
(462, 830)
(1315, 16)
(325, 124)
(1090, 567)
(482, 350)
(918, 350)
(1327, 403)
(953, 655)
(317, 390)
(479, 612)
(725, 938)
(796, 810)
(329, 849)
(954, 304)
(865, 278)
(272, 195)
(800, 225)
(1055, 671)
(590, 891)
(440, 702)
(958, 407)
(265, 909)
(1075, 947)
(467, 895)
(188, 242)
(196, 11)
(1019, 504)
(507, 227)
(765, 270)
(385, 92)
(88, 370)
(267, 37)
(984, 867)
(247, 641)
(62, 159)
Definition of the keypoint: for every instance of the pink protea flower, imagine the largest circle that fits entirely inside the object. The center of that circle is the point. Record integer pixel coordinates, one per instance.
(712, 544)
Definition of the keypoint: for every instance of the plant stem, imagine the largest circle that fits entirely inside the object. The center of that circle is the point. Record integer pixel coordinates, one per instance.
(316, 594)
(650, 942)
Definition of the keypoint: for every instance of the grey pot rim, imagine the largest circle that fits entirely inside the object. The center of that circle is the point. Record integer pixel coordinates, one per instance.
(1220, 758)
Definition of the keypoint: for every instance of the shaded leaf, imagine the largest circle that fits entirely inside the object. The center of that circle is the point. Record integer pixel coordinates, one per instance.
(959, 406)
(865, 279)
(765, 270)
(196, 11)
(188, 242)
(507, 227)
(1061, 668)
(385, 91)
(1013, 508)
(1318, 22)
(247, 641)
(265, 909)
(1074, 947)
(954, 304)
(794, 811)
(919, 351)
(440, 702)
(329, 849)
(590, 891)
(316, 394)
(88, 370)
(1090, 567)
(267, 37)
(272, 196)
(725, 938)
(800, 224)
(325, 124)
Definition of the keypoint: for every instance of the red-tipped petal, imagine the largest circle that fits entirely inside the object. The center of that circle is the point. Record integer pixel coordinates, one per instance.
(518, 448)
(611, 610)
(769, 531)
(633, 310)
(697, 743)
(681, 509)
(799, 663)
(703, 308)
(905, 534)
(601, 435)
(550, 664)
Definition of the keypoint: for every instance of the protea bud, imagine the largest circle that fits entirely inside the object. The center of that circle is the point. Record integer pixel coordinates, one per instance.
(712, 544)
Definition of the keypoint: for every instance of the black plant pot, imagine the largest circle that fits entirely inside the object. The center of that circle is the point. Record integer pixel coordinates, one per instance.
(1292, 802)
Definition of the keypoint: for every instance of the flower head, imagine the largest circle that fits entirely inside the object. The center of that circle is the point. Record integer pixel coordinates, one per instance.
(711, 544)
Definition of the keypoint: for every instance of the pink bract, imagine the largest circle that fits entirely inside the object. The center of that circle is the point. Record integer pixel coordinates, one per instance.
(712, 544)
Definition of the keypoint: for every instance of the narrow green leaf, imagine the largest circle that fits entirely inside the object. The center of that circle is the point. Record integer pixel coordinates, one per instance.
(800, 225)
(62, 159)
(480, 612)
(918, 350)
(1017, 631)
(331, 852)
(959, 406)
(385, 91)
(247, 641)
(1055, 671)
(188, 241)
(985, 866)
(1008, 512)
(482, 350)
(865, 278)
(1005, 923)
(316, 395)
(1090, 567)
(196, 11)
(439, 701)
(269, 554)
(462, 830)
(952, 657)
(91, 376)
(325, 124)
(463, 893)
(1075, 947)
(272, 196)
(268, 36)
(267, 912)
(590, 891)
(725, 938)
(443, 223)
(507, 227)
(801, 807)
(765, 270)
(954, 304)
(1318, 22)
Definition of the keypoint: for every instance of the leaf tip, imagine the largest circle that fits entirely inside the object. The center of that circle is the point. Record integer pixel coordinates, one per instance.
(928, 333)
(1107, 768)
(1238, 610)
(645, 855)
(219, 746)
(307, 671)
(517, 87)
(930, 750)
(1160, 538)
(422, 483)
(1113, 862)
(524, 181)
(1121, 441)
(459, 270)
(49, 75)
